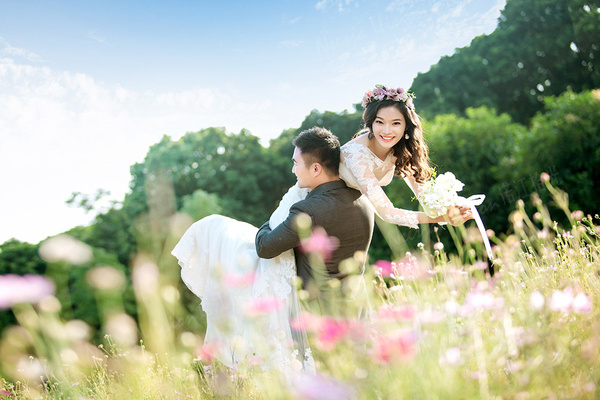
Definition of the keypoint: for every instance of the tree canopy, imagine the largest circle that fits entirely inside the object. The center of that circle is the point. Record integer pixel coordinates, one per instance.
(540, 48)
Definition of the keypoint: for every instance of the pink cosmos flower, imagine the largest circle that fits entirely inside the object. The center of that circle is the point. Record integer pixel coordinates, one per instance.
(306, 321)
(480, 300)
(481, 265)
(383, 268)
(204, 354)
(410, 268)
(395, 313)
(536, 299)
(357, 331)
(565, 301)
(582, 304)
(452, 356)
(561, 300)
(319, 242)
(241, 280)
(15, 289)
(396, 346)
(331, 332)
(256, 307)
(430, 316)
(320, 387)
(578, 215)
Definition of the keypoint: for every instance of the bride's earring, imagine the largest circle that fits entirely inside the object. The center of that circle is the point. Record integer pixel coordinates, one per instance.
(406, 136)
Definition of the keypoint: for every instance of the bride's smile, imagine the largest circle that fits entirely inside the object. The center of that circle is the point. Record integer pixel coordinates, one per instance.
(388, 130)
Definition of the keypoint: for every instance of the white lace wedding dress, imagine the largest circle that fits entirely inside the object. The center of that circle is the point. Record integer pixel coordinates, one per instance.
(249, 321)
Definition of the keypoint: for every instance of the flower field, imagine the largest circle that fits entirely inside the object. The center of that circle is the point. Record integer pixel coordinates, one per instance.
(433, 325)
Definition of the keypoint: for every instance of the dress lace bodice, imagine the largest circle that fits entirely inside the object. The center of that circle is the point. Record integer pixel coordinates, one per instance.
(363, 170)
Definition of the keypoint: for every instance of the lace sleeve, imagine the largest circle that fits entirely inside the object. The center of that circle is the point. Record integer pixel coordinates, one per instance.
(416, 187)
(360, 163)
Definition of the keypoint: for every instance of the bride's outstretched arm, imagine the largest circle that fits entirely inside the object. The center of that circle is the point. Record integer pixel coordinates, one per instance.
(359, 162)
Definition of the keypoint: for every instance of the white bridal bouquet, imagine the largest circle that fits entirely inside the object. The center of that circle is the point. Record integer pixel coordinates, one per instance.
(439, 194)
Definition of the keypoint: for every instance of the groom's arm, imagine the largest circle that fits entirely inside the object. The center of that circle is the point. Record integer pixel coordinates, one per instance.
(272, 242)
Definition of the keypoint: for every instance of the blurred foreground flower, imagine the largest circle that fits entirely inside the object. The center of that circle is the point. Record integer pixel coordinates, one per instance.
(260, 306)
(383, 268)
(395, 346)
(411, 268)
(67, 249)
(204, 354)
(331, 331)
(320, 243)
(15, 289)
(396, 313)
(481, 300)
(565, 301)
(240, 280)
(306, 321)
(537, 300)
(319, 387)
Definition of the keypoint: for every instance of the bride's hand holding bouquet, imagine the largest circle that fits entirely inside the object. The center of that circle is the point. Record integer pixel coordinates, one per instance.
(440, 200)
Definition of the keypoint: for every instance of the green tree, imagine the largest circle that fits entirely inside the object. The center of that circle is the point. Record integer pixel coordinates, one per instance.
(564, 141)
(201, 204)
(18, 258)
(479, 149)
(540, 48)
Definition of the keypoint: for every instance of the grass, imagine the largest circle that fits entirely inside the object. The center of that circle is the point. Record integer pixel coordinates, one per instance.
(440, 327)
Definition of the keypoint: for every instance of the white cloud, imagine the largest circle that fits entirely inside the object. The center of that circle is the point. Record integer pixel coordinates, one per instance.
(290, 43)
(7, 50)
(398, 5)
(97, 38)
(62, 132)
(340, 4)
(293, 20)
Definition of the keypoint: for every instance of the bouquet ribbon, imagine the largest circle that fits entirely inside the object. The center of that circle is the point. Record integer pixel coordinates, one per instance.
(471, 202)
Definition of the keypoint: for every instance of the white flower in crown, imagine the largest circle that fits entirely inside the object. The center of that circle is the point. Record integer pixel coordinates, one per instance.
(439, 194)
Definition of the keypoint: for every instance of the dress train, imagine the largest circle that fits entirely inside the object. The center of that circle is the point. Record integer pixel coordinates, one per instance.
(249, 301)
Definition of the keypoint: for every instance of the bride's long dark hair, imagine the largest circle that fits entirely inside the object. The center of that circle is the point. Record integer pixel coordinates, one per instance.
(412, 154)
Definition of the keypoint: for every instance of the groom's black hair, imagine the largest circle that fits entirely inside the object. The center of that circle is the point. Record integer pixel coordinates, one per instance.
(319, 145)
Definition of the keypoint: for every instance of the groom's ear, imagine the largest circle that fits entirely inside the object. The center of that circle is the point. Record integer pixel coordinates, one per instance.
(316, 169)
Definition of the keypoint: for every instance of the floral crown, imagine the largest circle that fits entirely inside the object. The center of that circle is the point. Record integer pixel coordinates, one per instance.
(382, 93)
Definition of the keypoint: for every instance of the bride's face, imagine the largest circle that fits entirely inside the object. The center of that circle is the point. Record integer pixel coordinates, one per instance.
(388, 127)
(301, 170)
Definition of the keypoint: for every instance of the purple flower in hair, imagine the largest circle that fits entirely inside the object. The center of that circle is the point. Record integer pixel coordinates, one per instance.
(382, 93)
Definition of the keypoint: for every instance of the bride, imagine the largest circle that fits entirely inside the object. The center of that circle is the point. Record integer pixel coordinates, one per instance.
(249, 301)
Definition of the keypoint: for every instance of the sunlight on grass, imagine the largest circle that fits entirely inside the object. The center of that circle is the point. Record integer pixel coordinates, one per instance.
(437, 326)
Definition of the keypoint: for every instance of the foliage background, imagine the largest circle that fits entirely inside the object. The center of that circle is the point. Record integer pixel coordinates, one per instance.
(515, 103)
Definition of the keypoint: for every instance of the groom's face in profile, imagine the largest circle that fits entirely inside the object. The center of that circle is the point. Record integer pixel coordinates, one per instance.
(302, 170)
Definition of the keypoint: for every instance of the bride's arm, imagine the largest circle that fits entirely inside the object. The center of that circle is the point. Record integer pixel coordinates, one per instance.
(360, 163)
(455, 215)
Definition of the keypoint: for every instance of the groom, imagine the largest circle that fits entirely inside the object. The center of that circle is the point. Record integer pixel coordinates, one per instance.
(330, 204)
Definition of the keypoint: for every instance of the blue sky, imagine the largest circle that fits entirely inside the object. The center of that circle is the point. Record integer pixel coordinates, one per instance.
(87, 87)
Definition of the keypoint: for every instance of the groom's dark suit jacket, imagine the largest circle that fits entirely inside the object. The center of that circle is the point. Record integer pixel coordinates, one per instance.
(340, 210)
